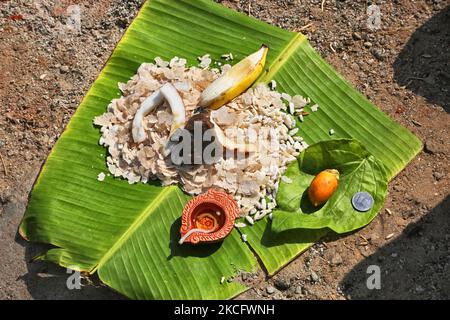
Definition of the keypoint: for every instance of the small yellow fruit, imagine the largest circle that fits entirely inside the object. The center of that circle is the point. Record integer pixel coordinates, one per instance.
(323, 186)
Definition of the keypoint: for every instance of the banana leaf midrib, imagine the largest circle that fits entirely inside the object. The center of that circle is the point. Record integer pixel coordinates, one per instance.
(153, 205)
(281, 59)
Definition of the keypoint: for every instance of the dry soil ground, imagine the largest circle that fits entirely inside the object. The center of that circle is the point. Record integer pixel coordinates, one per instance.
(48, 63)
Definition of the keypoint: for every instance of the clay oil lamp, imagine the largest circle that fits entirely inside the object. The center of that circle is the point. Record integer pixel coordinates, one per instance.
(208, 217)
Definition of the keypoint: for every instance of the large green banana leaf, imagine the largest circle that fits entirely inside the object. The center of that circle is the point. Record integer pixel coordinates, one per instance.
(128, 233)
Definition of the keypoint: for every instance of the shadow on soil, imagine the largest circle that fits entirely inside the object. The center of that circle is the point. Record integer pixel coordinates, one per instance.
(416, 265)
(47, 281)
(423, 66)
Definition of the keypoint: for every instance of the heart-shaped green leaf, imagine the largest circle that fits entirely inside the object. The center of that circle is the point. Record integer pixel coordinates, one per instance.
(359, 171)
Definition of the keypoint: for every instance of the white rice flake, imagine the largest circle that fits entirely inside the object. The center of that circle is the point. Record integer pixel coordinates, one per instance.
(161, 63)
(291, 108)
(228, 56)
(225, 68)
(286, 97)
(263, 204)
(286, 179)
(240, 225)
(262, 214)
(314, 108)
(273, 84)
(250, 220)
(101, 176)
(293, 132)
(299, 101)
(205, 61)
(300, 117)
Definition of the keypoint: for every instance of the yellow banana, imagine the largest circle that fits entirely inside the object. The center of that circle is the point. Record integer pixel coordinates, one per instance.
(238, 79)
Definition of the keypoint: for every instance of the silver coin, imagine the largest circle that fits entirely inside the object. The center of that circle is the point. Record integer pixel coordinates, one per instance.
(362, 201)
